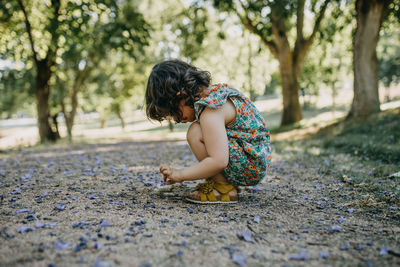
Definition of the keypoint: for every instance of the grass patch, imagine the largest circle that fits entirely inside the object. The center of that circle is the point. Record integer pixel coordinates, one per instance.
(377, 138)
(363, 155)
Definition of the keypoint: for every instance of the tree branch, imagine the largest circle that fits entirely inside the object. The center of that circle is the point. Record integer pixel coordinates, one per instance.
(52, 49)
(29, 31)
(279, 31)
(300, 19)
(252, 27)
(317, 23)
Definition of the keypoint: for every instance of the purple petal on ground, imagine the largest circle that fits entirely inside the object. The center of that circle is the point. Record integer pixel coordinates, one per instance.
(67, 172)
(98, 245)
(16, 191)
(324, 255)
(94, 197)
(335, 228)
(60, 206)
(61, 245)
(239, 259)
(301, 256)
(179, 253)
(342, 219)
(26, 178)
(82, 225)
(368, 262)
(255, 190)
(190, 210)
(383, 250)
(230, 249)
(104, 223)
(394, 208)
(351, 210)
(100, 263)
(56, 192)
(39, 225)
(256, 219)
(43, 195)
(246, 236)
(184, 234)
(25, 229)
(116, 202)
(23, 211)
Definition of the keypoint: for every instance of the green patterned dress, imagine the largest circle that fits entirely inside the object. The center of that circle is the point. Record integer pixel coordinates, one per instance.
(248, 136)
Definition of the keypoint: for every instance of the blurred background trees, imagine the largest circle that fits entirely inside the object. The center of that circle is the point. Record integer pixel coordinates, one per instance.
(60, 58)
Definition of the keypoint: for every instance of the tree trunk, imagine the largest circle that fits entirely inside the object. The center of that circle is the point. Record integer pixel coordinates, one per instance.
(46, 132)
(79, 80)
(55, 123)
(290, 94)
(170, 126)
(290, 61)
(288, 67)
(365, 63)
(44, 72)
(103, 122)
(119, 115)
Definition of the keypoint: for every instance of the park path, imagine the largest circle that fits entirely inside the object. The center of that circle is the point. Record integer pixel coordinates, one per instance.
(101, 205)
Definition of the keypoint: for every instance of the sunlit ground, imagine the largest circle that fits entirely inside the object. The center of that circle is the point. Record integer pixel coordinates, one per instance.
(16, 133)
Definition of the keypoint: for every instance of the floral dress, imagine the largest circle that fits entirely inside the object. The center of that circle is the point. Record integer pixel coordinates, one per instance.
(248, 136)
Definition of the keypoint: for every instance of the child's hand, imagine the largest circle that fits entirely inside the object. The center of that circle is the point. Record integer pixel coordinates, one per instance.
(171, 175)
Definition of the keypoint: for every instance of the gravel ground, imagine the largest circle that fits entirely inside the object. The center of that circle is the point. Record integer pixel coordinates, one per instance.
(103, 205)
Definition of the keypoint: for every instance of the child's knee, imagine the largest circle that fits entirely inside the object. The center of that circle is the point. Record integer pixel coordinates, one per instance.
(194, 133)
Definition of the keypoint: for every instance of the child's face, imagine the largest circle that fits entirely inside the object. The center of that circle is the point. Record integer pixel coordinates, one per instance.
(187, 112)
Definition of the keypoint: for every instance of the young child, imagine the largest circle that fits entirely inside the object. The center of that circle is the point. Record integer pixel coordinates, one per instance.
(228, 135)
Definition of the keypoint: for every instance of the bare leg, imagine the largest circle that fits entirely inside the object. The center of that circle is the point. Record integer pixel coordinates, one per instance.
(196, 143)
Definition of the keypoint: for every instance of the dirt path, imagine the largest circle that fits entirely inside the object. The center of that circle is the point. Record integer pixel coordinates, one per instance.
(99, 205)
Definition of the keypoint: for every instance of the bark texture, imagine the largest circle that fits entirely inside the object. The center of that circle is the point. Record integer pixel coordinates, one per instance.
(370, 14)
(47, 131)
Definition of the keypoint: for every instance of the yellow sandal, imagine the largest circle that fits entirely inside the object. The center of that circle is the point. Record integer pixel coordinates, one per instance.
(207, 195)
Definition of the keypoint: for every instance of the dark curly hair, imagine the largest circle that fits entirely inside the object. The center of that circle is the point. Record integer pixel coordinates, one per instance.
(171, 81)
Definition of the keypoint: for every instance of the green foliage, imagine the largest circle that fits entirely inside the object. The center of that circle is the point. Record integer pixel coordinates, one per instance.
(100, 30)
(191, 28)
(271, 87)
(389, 49)
(79, 39)
(15, 89)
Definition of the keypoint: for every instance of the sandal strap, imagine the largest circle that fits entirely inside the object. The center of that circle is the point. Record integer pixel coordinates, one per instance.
(224, 190)
(206, 190)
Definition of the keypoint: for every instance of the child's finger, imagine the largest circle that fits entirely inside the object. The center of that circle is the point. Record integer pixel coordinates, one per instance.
(162, 168)
(169, 182)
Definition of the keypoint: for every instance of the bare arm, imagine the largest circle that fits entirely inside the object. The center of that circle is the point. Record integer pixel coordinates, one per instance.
(212, 123)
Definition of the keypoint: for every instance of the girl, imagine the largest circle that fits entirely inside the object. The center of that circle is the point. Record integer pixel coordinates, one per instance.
(228, 135)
